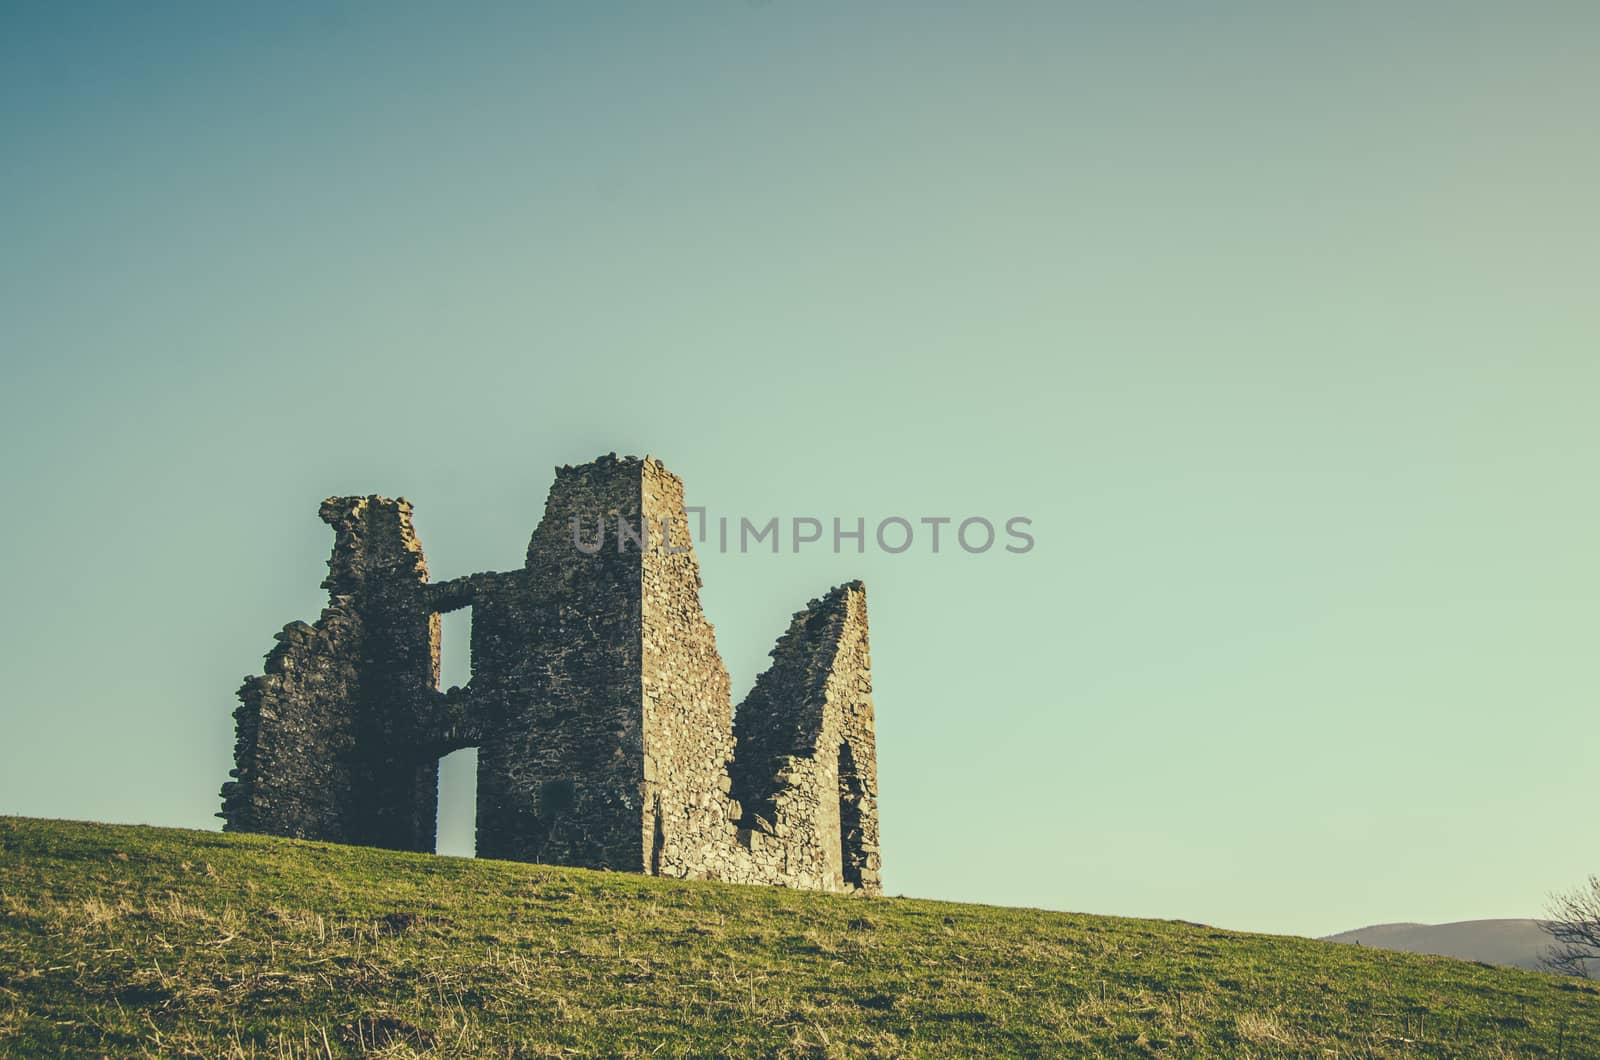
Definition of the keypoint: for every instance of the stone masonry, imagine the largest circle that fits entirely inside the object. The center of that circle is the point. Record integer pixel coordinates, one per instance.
(598, 703)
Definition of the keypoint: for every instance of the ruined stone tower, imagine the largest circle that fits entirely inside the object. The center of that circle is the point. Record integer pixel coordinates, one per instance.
(598, 703)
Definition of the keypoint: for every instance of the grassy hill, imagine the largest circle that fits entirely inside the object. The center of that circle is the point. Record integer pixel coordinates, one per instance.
(1518, 943)
(143, 941)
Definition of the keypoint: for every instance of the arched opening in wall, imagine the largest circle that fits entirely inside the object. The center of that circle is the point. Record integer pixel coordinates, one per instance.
(456, 830)
(851, 857)
(455, 648)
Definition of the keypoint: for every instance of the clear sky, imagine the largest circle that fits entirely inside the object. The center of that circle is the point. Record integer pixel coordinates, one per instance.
(1278, 320)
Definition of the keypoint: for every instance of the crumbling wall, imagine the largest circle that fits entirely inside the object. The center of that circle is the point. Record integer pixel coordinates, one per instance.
(688, 710)
(598, 702)
(294, 736)
(556, 650)
(378, 564)
(805, 763)
(327, 736)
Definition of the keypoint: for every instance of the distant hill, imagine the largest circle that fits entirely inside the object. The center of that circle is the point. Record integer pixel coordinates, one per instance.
(124, 941)
(1514, 943)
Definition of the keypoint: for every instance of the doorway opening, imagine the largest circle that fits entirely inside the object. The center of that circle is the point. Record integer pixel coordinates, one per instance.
(456, 829)
(851, 857)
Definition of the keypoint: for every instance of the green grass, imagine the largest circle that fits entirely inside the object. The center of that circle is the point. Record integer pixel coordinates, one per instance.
(128, 941)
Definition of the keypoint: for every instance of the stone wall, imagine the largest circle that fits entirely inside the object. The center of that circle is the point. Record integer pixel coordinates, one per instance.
(688, 713)
(327, 745)
(805, 764)
(598, 702)
(556, 649)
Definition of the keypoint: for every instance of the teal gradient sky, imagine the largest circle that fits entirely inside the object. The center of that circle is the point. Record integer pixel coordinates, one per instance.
(1279, 321)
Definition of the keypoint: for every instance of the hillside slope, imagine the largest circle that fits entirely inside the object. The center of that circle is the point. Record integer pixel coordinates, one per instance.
(142, 941)
(1515, 943)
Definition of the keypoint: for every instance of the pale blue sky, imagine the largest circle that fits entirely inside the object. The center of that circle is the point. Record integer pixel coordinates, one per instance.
(1279, 322)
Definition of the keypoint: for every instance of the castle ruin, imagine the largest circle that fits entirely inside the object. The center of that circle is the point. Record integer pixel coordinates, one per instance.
(598, 703)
